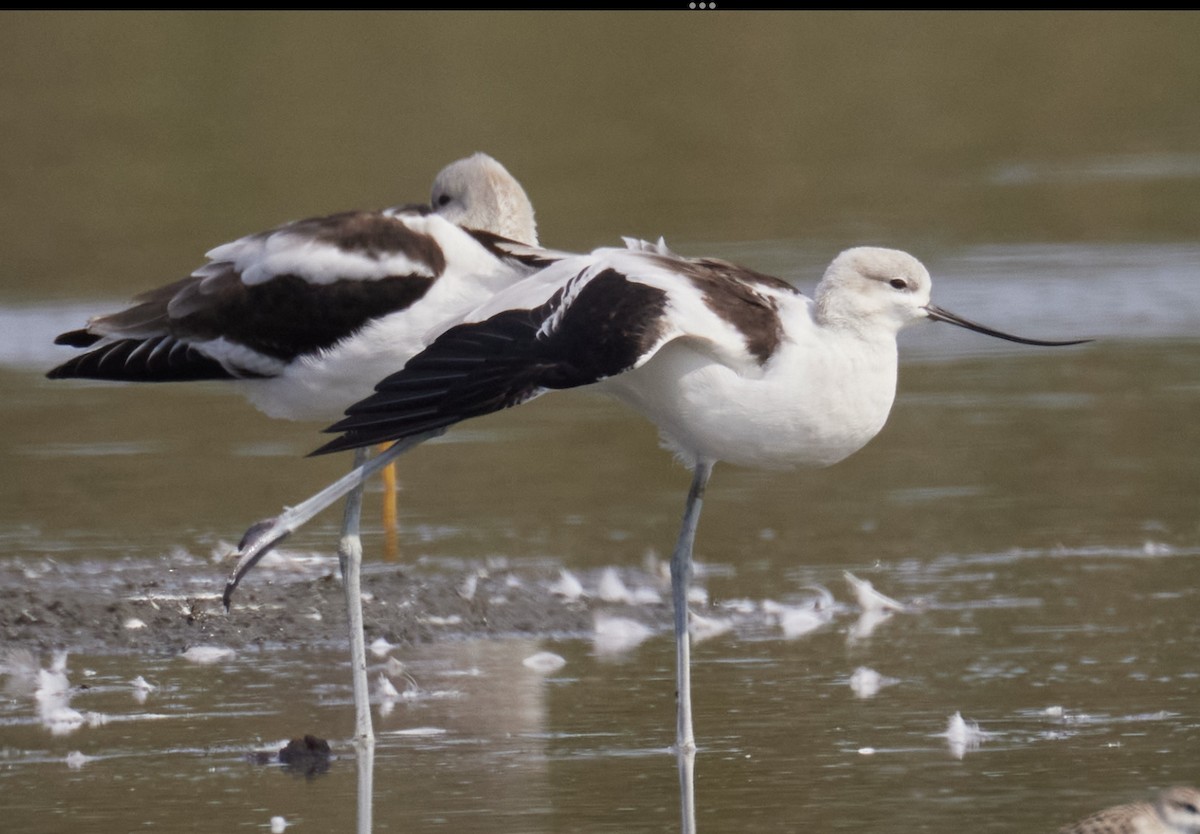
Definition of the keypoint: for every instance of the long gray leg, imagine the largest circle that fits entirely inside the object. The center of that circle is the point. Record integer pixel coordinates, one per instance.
(681, 578)
(687, 790)
(350, 559)
(264, 535)
(364, 757)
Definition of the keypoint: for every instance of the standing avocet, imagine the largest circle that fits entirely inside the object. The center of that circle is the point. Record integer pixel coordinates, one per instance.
(730, 364)
(307, 317)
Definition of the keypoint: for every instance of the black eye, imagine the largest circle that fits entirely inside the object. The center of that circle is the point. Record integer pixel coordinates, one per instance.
(898, 284)
(442, 200)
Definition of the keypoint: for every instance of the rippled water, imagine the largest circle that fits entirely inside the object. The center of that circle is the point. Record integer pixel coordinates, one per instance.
(1037, 508)
(1078, 665)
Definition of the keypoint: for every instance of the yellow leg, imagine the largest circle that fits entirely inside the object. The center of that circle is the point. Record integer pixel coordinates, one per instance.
(391, 526)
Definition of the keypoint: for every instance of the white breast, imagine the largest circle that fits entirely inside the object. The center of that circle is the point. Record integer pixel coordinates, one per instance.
(818, 401)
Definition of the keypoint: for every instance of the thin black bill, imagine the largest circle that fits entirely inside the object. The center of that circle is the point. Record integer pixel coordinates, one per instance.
(938, 314)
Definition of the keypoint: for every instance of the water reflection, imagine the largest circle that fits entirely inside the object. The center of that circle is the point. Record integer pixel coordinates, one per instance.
(1092, 681)
(364, 764)
(686, 760)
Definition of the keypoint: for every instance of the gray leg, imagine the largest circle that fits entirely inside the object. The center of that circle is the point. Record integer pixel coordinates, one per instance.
(261, 537)
(681, 578)
(687, 790)
(350, 559)
(364, 757)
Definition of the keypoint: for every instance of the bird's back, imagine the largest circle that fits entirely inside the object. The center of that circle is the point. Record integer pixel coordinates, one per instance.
(312, 313)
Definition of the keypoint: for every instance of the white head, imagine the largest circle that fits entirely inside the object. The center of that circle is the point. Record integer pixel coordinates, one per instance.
(478, 193)
(876, 291)
(872, 289)
(1180, 809)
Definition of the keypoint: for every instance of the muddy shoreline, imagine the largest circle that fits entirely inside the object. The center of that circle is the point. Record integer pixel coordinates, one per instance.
(296, 602)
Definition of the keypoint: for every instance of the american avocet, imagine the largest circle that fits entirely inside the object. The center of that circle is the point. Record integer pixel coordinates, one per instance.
(307, 317)
(1174, 811)
(732, 365)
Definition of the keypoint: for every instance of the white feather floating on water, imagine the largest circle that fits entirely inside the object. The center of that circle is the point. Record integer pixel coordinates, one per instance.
(380, 647)
(50, 689)
(962, 735)
(616, 635)
(53, 697)
(384, 689)
(141, 689)
(866, 682)
(385, 694)
(612, 589)
(798, 620)
(544, 662)
(705, 628)
(868, 598)
(567, 586)
(208, 655)
(76, 759)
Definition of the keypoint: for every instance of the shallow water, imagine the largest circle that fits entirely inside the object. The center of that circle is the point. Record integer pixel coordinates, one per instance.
(1079, 665)
(1037, 507)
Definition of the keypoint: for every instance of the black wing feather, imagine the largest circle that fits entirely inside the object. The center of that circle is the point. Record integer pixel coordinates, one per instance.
(161, 359)
(283, 318)
(510, 358)
(77, 338)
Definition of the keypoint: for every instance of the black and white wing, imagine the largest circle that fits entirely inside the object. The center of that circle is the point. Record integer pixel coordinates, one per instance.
(578, 322)
(264, 300)
(269, 299)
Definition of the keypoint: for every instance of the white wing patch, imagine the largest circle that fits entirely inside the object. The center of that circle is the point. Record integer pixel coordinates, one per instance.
(240, 360)
(261, 258)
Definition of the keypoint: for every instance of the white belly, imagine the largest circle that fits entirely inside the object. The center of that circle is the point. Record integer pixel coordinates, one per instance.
(808, 408)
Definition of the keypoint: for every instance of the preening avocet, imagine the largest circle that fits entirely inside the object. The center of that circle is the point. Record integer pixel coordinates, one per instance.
(307, 317)
(732, 365)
